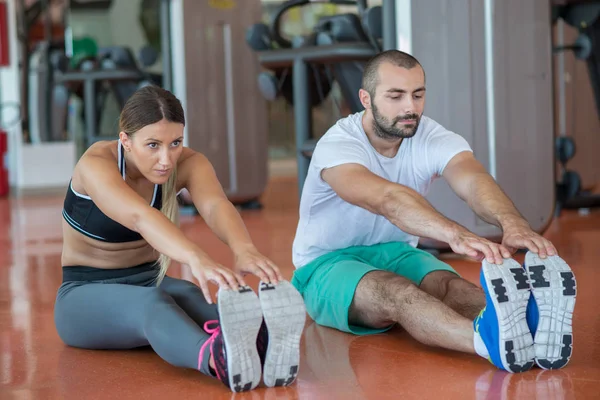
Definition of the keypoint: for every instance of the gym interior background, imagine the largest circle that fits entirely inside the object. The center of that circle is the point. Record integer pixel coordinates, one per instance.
(519, 80)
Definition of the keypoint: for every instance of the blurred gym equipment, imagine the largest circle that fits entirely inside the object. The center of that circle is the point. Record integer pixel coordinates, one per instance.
(91, 73)
(585, 16)
(303, 69)
(114, 70)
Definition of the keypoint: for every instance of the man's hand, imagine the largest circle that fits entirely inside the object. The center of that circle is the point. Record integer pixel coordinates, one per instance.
(471, 182)
(469, 244)
(522, 237)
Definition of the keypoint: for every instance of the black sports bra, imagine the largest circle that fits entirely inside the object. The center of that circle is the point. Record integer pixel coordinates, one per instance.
(84, 216)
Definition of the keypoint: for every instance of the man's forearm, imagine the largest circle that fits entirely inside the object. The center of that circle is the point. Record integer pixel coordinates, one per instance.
(412, 213)
(491, 204)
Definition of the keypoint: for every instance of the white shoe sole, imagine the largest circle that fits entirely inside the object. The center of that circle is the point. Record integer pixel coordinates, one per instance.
(554, 288)
(285, 314)
(508, 288)
(240, 317)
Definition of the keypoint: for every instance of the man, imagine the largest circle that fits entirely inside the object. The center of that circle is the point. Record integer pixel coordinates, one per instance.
(361, 215)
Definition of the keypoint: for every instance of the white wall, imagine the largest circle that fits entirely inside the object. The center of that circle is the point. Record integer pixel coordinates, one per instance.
(91, 23)
(125, 27)
(123, 19)
(116, 26)
(404, 26)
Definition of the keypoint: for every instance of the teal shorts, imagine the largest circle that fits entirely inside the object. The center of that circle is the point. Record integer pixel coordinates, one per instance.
(328, 283)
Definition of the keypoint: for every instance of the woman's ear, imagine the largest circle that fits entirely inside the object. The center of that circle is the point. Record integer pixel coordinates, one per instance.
(125, 141)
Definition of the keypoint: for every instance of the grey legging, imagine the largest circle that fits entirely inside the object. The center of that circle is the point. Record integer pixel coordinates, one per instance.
(129, 311)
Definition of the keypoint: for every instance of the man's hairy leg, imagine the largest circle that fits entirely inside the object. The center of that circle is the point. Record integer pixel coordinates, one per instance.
(383, 298)
(457, 293)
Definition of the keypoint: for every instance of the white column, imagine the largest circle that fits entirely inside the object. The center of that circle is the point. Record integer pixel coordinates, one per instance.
(404, 25)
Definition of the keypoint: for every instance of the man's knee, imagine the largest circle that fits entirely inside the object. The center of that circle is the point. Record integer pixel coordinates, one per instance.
(437, 283)
(378, 296)
(440, 283)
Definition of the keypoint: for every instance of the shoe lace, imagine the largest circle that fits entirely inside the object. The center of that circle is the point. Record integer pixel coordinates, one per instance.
(212, 331)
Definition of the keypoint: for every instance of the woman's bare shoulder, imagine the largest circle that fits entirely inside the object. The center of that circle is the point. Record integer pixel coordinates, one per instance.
(189, 154)
(105, 148)
(104, 152)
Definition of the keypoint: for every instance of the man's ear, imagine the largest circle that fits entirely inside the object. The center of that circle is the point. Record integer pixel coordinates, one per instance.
(365, 98)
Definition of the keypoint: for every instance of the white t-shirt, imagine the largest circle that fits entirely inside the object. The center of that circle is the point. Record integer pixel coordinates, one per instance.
(328, 222)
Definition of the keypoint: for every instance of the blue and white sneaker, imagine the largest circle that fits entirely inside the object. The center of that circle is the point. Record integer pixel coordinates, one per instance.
(502, 324)
(550, 309)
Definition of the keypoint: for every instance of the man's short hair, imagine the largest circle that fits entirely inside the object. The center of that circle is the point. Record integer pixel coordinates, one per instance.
(395, 57)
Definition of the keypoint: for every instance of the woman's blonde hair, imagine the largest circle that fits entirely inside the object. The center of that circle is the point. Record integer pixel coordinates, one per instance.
(147, 106)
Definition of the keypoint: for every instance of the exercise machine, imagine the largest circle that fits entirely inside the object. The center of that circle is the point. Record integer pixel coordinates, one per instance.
(585, 16)
(52, 77)
(303, 69)
(47, 102)
(40, 99)
(114, 70)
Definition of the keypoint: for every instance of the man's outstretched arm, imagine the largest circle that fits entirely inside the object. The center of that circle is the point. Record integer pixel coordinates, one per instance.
(408, 210)
(473, 184)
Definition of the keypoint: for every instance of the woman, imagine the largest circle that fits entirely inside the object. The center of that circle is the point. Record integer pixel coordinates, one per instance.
(120, 233)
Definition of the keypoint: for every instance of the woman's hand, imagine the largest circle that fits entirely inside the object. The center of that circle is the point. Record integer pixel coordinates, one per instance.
(204, 270)
(251, 261)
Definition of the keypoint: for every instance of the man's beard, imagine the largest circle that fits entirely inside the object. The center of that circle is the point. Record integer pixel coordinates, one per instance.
(389, 130)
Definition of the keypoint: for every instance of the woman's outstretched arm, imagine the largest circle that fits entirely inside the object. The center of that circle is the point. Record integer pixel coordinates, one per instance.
(199, 178)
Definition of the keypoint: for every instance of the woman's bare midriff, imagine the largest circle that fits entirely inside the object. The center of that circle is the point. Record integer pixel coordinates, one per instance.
(80, 250)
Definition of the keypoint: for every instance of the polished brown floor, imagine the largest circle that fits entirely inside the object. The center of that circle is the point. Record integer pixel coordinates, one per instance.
(35, 364)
